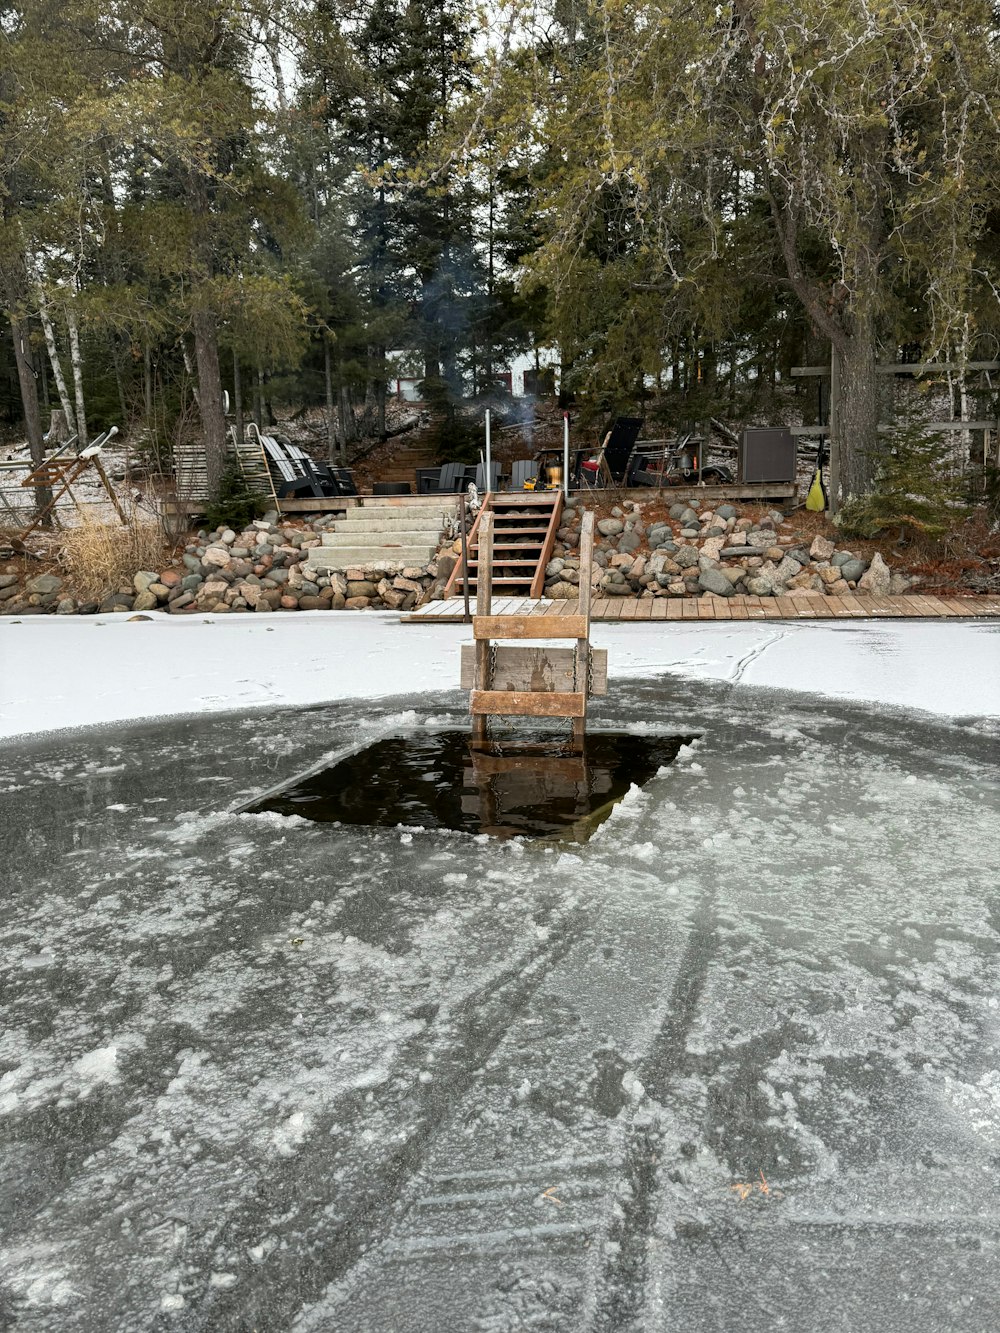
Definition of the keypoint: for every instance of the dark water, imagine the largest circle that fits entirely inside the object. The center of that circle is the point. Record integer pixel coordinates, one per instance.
(436, 780)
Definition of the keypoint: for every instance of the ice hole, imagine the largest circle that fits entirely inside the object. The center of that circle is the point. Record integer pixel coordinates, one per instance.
(437, 780)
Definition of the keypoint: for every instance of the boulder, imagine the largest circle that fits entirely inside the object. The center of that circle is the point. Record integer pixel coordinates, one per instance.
(714, 580)
(8, 580)
(610, 527)
(43, 584)
(146, 600)
(358, 603)
(360, 589)
(837, 589)
(876, 579)
(67, 606)
(686, 557)
(725, 512)
(851, 570)
(629, 541)
(216, 556)
(822, 548)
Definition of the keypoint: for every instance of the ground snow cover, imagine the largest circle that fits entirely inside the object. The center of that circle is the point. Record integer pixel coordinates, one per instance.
(78, 671)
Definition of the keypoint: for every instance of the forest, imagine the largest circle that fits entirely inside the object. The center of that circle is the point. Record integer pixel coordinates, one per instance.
(214, 202)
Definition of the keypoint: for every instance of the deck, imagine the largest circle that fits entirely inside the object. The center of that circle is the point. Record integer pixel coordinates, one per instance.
(851, 607)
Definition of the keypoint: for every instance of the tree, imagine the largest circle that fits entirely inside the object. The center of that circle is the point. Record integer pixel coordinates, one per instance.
(866, 134)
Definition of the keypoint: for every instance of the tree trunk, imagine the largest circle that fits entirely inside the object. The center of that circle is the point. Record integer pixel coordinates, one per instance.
(29, 401)
(858, 406)
(74, 352)
(213, 420)
(59, 431)
(238, 397)
(380, 392)
(331, 408)
(54, 362)
(258, 401)
(147, 386)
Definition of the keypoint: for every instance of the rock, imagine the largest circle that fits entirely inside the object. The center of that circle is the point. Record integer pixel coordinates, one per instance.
(180, 602)
(808, 582)
(838, 589)
(610, 527)
(553, 568)
(8, 580)
(216, 556)
(714, 580)
(899, 583)
(686, 557)
(562, 591)
(851, 570)
(712, 547)
(145, 600)
(169, 578)
(876, 579)
(799, 554)
(689, 533)
(9, 592)
(760, 539)
(44, 583)
(786, 570)
(191, 582)
(822, 548)
(289, 603)
(629, 541)
(725, 512)
(638, 567)
(688, 516)
(66, 607)
(227, 536)
(393, 598)
(740, 551)
(760, 586)
(775, 553)
(841, 557)
(831, 574)
(360, 588)
(358, 603)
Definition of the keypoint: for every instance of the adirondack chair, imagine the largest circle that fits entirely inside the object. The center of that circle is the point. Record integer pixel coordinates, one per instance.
(610, 465)
(451, 479)
(493, 483)
(522, 470)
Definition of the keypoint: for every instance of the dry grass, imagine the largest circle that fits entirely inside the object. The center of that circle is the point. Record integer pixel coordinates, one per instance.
(99, 558)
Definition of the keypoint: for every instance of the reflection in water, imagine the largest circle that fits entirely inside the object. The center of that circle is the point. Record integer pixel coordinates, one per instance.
(437, 780)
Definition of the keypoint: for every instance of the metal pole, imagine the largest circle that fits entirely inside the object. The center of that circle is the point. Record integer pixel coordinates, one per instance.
(566, 453)
(465, 560)
(487, 480)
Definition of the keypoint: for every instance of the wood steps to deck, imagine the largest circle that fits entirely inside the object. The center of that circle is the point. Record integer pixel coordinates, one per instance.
(524, 524)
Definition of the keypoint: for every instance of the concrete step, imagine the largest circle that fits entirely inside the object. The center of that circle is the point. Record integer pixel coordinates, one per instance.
(323, 559)
(369, 520)
(379, 536)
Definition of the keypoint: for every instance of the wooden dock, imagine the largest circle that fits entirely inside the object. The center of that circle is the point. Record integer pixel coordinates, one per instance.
(850, 607)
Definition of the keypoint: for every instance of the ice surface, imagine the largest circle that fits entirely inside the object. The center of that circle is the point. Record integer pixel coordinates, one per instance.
(732, 1063)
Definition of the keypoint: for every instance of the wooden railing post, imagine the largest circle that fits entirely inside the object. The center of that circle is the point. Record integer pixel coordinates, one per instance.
(484, 599)
(583, 608)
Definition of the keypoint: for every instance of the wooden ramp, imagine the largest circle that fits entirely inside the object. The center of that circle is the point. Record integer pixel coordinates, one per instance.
(851, 607)
(524, 533)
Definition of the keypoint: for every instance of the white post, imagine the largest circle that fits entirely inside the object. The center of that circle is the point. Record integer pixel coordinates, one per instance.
(566, 453)
(487, 487)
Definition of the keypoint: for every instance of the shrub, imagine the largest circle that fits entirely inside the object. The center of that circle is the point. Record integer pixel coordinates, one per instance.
(915, 489)
(236, 506)
(101, 557)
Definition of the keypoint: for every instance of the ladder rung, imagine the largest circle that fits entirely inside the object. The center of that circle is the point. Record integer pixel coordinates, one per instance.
(529, 627)
(528, 703)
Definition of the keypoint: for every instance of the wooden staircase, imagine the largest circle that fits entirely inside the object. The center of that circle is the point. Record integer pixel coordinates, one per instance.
(524, 533)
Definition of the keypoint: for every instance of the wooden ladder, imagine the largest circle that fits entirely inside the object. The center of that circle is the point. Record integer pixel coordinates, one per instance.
(524, 533)
(536, 682)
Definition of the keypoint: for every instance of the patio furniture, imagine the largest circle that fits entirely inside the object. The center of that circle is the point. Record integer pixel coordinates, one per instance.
(522, 470)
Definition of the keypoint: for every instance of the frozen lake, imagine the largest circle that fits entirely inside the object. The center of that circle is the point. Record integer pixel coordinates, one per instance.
(732, 1063)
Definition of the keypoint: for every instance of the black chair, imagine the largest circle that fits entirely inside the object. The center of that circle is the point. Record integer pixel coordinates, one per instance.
(522, 470)
(427, 480)
(612, 459)
(452, 479)
(392, 488)
(494, 478)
